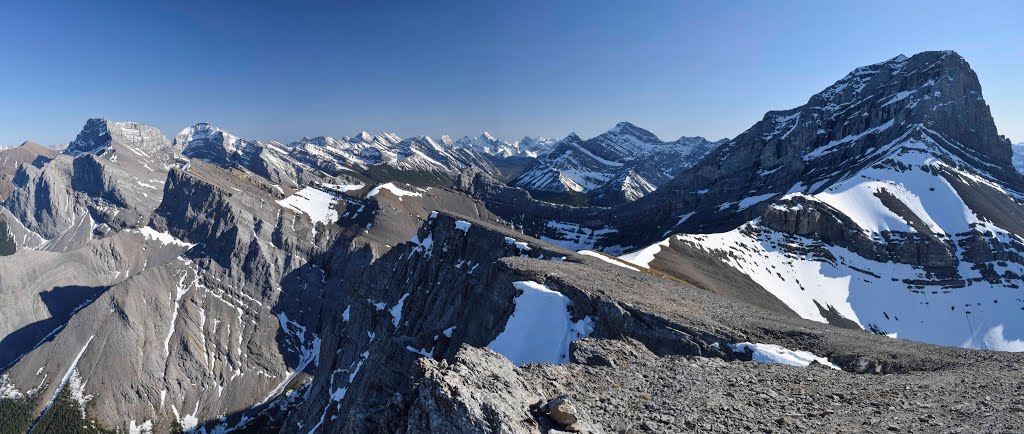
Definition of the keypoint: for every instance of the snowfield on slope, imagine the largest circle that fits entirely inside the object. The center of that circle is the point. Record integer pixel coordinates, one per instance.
(540, 329)
(872, 294)
(317, 204)
(891, 298)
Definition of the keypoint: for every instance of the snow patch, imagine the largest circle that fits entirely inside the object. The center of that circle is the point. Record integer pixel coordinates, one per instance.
(396, 311)
(573, 236)
(769, 353)
(317, 204)
(145, 428)
(67, 376)
(395, 190)
(8, 390)
(644, 256)
(604, 258)
(163, 237)
(540, 329)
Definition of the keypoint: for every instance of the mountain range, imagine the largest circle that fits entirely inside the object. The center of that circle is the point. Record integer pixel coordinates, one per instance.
(849, 264)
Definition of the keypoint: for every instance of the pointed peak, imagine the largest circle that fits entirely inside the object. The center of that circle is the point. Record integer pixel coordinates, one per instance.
(487, 136)
(901, 58)
(364, 136)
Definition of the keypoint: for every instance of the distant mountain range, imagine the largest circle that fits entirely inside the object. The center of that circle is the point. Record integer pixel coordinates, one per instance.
(210, 283)
(621, 165)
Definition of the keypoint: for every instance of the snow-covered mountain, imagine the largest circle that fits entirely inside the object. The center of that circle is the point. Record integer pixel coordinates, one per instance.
(384, 155)
(386, 150)
(270, 160)
(536, 146)
(621, 165)
(487, 144)
(888, 202)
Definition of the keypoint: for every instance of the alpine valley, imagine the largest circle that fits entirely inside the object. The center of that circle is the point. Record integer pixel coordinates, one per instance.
(852, 264)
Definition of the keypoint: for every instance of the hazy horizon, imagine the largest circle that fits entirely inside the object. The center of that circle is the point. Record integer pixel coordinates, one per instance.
(271, 73)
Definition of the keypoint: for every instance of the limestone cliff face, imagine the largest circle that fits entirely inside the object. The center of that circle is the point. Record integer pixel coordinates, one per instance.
(109, 178)
(443, 288)
(813, 219)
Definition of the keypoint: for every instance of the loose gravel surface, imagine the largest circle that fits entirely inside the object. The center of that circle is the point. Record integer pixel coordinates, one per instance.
(642, 392)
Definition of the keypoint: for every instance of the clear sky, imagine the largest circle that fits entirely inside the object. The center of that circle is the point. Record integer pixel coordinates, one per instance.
(282, 70)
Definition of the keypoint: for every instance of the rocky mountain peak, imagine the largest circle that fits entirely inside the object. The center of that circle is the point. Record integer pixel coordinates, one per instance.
(199, 131)
(98, 135)
(935, 90)
(364, 136)
(631, 129)
(206, 142)
(28, 144)
(536, 146)
(628, 129)
(94, 136)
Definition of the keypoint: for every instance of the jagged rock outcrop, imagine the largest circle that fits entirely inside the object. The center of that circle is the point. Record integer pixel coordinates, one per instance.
(803, 216)
(480, 391)
(426, 296)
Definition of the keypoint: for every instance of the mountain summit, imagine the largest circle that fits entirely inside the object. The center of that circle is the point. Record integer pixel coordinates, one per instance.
(931, 99)
(888, 202)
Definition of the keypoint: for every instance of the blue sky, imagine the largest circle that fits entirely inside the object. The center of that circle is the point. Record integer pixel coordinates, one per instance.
(269, 71)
